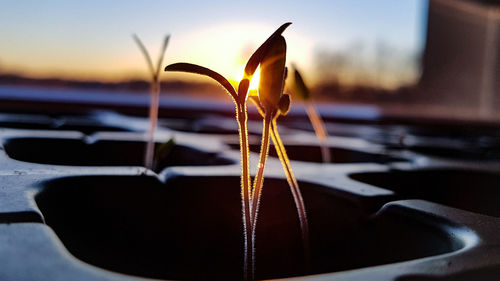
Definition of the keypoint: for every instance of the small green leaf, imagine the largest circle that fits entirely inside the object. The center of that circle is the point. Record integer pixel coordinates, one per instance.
(196, 69)
(163, 150)
(284, 104)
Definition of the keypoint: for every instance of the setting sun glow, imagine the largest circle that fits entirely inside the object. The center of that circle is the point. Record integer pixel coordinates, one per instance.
(358, 41)
(254, 84)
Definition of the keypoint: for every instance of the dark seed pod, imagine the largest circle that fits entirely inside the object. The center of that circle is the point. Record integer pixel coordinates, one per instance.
(284, 104)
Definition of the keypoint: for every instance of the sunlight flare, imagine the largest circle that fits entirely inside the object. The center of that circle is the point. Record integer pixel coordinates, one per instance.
(254, 83)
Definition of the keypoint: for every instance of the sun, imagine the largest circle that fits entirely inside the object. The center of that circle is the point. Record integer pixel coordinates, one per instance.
(254, 84)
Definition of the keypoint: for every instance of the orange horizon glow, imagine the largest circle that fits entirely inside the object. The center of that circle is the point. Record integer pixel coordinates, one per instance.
(91, 40)
(224, 48)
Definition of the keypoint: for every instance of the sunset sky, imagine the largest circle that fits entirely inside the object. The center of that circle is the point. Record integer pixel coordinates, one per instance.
(92, 39)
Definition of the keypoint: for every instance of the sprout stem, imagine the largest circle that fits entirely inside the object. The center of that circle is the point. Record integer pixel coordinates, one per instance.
(259, 178)
(294, 188)
(153, 118)
(319, 129)
(249, 260)
(292, 182)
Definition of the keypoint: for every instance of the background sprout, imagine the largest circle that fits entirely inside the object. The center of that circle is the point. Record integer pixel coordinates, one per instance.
(239, 98)
(155, 96)
(300, 90)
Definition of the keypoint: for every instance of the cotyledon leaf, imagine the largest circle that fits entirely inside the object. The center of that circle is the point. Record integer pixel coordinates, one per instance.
(272, 70)
(256, 59)
(194, 68)
(162, 54)
(145, 53)
(261, 52)
(299, 86)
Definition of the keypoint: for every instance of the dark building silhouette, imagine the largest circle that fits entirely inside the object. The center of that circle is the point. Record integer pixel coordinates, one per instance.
(461, 62)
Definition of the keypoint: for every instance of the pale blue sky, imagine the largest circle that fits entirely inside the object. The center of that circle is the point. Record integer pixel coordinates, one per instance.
(91, 38)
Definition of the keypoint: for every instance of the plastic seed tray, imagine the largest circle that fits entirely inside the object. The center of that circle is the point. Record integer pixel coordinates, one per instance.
(398, 202)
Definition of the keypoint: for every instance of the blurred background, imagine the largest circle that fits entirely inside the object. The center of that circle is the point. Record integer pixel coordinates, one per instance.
(416, 57)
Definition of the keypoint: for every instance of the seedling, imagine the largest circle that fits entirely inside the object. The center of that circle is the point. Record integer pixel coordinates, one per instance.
(239, 98)
(154, 71)
(271, 102)
(301, 90)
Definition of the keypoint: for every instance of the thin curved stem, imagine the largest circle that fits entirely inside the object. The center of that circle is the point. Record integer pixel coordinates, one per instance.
(319, 129)
(292, 182)
(153, 119)
(248, 263)
(259, 178)
(294, 188)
